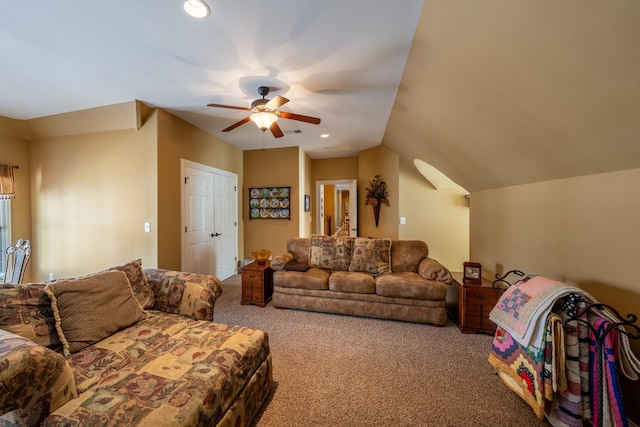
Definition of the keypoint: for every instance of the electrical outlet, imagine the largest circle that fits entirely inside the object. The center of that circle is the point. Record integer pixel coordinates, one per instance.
(403, 220)
(147, 227)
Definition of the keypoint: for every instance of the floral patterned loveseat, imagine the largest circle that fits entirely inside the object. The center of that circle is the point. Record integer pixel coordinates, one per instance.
(165, 364)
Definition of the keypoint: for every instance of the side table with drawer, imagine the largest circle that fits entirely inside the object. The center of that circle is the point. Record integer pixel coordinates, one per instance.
(469, 305)
(257, 284)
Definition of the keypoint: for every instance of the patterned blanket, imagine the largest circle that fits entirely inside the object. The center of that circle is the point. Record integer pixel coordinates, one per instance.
(569, 374)
(523, 308)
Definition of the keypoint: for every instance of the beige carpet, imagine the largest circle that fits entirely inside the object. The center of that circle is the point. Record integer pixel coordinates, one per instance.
(335, 370)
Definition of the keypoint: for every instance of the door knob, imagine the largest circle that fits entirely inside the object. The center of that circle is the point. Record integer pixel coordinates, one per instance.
(216, 235)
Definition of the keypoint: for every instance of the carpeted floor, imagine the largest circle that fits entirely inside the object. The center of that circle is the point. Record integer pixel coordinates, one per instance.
(334, 370)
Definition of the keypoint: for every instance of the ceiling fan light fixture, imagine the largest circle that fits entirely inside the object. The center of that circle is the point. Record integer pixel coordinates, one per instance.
(197, 8)
(264, 119)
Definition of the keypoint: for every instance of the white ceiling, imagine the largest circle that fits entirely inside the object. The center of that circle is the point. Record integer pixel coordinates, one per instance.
(492, 93)
(338, 60)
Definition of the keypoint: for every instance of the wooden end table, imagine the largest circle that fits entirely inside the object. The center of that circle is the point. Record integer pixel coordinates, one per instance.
(469, 305)
(257, 284)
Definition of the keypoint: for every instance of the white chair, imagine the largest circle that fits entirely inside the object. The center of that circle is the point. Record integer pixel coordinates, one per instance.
(18, 255)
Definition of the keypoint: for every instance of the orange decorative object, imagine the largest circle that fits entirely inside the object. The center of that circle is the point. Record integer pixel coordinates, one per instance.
(261, 256)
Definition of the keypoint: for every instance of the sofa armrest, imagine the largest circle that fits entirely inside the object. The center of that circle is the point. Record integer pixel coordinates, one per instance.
(34, 380)
(187, 294)
(431, 269)
(278, 262)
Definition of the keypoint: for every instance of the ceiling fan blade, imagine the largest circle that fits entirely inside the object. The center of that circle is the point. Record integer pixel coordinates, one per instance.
(299, 117)
(276, 131)
(235, 125)
(229, 106)
(277, 102)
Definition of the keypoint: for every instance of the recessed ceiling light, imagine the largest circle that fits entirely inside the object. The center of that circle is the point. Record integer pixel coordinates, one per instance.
(197, 8)
(324, 135)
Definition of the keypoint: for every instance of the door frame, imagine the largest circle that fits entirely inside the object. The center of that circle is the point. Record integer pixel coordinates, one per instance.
(353, 198)
(184, 163)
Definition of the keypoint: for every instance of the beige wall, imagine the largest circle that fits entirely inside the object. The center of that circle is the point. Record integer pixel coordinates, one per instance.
(384, 162)
(91, 196)
(177, 140)
(438, 217)
(309, 186)
(276, 167)
(91, 193)
(14, 150)
(582, 230)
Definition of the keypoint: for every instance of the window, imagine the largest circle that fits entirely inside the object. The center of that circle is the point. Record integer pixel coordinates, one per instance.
(5, 233)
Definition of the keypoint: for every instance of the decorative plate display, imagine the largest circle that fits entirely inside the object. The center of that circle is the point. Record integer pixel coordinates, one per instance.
(269, 203)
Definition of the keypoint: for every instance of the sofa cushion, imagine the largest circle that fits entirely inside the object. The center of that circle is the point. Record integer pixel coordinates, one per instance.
(91, 308)
(342, 249)
(299, 247)
(139, 283)
(409, 285)
(187, 294)
(25, 310)
(407, 254)
(371, 256)
(166, 371)
(431, 269)
(294, 265)
(321, 251)
(34, 380)
(313, 278)
(353, 282)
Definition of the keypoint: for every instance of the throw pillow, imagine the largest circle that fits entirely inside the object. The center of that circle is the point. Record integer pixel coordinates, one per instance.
(91, 308)
(371, 256)
(139, 283)
(342, 253)
(294, 265)
(321, 251)
(25, 310)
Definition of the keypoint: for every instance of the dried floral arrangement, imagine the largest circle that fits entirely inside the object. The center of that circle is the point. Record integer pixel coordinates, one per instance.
(377, 192)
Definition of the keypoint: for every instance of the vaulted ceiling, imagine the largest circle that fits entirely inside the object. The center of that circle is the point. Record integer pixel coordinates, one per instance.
(499, 93)
(492, 93)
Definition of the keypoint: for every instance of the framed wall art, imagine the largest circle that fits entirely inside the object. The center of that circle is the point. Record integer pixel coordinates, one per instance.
(269, 203)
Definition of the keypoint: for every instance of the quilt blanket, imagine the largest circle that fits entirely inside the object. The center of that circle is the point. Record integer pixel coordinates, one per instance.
(523, 308)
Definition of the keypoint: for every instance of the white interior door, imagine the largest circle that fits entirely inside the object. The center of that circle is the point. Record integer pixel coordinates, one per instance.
(225, 226)
(209, 220)
(198, 253)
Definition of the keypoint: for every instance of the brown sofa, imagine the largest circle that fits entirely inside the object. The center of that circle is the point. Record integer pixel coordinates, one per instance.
(381, 278)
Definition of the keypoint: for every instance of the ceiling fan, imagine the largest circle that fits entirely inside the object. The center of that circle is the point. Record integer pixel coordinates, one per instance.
(265, 115)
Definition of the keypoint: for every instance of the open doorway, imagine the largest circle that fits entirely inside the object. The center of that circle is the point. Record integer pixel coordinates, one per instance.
(337, 207)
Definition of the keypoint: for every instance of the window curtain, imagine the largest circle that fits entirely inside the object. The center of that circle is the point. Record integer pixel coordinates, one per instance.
(7, 187)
